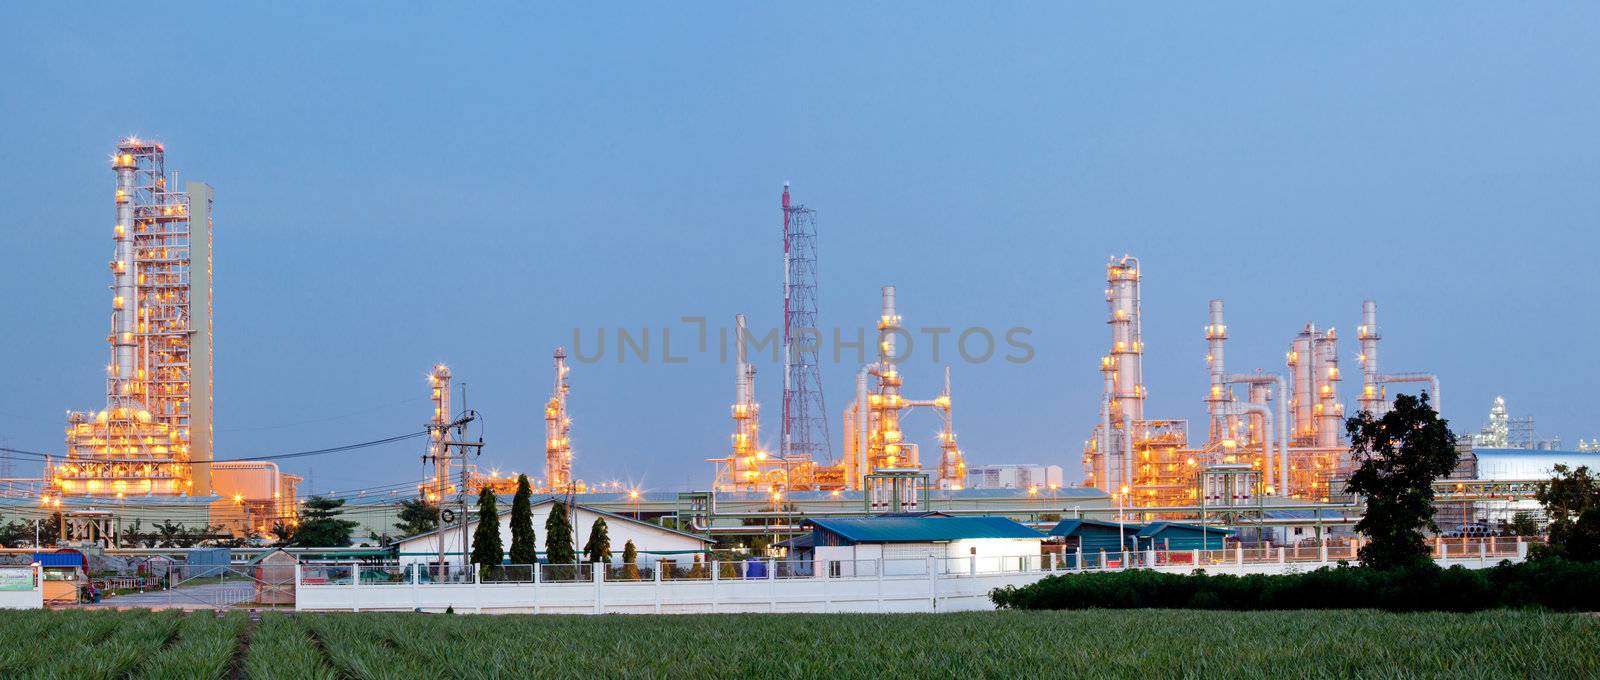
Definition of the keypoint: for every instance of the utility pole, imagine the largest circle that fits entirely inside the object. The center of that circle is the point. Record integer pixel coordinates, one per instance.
(443, 450)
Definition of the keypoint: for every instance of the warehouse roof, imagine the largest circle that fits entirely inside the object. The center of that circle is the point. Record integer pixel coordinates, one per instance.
(1074, 527)
(922, 529)
(1155, 529)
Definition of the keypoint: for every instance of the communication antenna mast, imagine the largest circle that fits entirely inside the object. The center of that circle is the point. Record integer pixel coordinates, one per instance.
(805, 423)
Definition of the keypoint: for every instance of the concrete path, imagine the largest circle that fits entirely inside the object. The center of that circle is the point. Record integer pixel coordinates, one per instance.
(195, 596)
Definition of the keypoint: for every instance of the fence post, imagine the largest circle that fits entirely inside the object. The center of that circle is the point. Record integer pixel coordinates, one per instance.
(1078, 553)
(772, 583)
(477, 587)
(1483, 554)
(355, 587)
(1238, 553)
(880, 582)
(716, 575)
(1281, 556)
(598, 575)
(1194, 557)
(933, 585)
(1150, 558)
(657, 587)
(1323, 550)
(37, 575)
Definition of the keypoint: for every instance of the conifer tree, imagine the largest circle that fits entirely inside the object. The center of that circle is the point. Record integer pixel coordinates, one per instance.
(524, 543)
(558, 536)
(487, 550)
(630, 561)
(598, 548)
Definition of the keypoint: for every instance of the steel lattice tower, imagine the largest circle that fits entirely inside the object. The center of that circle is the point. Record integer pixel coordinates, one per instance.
(805, 422)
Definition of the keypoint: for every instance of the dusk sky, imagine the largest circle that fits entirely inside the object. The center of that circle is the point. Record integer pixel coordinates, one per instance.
(401, 185)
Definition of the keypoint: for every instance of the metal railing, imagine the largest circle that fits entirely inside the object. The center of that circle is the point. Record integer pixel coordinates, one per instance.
(1304, 553)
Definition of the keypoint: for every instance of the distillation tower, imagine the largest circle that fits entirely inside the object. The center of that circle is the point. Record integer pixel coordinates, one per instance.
(1288, 430)
(154, 435)
(875, 440)
(557, 431)
(748, 466)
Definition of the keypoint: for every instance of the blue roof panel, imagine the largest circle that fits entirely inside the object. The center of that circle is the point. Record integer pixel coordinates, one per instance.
(923, 529)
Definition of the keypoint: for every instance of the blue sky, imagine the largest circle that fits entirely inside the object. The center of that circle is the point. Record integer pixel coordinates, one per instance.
(399, 185)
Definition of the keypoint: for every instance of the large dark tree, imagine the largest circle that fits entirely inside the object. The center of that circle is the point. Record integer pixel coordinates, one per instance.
(320, 526)
(558, 536)
(417, 516)
(598, 547)
(524, 543)
(1398, 457)
(1571, 501)
(487, 550)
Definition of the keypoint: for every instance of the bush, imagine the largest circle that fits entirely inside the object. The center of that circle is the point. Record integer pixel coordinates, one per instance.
(1554, 584)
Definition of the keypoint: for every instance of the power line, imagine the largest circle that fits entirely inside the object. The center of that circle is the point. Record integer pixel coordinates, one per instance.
(40, 455)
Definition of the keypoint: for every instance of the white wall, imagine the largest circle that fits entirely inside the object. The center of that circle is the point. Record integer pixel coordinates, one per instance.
(929, 590)
(651, 541)
(899, 557)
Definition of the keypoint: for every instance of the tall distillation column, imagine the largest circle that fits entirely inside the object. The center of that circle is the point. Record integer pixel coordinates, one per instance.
(1302, 368)
(952, 466)
(557, 427)
(1330, 413)
(1125, 366)
(157, 418)
(884, 439)
(438, 430)
(1372, 397)
(1223, 425)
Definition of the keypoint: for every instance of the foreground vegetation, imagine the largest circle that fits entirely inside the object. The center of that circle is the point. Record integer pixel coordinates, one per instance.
(1143, 643)
(1552, 583)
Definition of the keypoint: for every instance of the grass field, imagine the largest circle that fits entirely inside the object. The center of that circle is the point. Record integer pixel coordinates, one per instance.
(86, 645)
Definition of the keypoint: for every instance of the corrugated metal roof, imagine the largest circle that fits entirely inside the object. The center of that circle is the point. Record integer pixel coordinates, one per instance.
(923, 529)
(1074, 527)
(1155, 529)
(60, 559)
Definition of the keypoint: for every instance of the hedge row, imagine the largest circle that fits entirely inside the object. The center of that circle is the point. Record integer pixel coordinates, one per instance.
(1553, 584)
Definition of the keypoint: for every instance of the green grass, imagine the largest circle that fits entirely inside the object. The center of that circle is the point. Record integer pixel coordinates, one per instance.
(1094, 643)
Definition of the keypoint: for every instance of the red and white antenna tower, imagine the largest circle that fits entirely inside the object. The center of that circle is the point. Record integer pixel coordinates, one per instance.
(805, 422)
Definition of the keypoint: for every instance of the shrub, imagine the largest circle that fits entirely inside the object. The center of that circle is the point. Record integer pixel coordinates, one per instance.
(1553, 584)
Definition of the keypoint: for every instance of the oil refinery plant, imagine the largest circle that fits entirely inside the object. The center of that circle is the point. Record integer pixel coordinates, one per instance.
(1273, 442)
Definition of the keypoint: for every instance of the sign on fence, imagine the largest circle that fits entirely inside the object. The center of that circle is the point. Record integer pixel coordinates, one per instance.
(16, 578)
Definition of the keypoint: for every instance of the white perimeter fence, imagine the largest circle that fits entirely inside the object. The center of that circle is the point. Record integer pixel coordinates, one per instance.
(888, 585)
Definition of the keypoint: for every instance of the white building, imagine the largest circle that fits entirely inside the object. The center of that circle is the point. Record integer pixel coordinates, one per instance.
(652, 541)
(906, 544)
(1014, 476)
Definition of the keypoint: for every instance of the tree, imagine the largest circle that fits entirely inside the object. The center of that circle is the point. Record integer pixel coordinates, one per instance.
(1398, 457)
(1523, 523)
(487, 550)
(417, 516)
(524, 543)
(1571, 501)
(558, 536)
(283, 532)
(320, 526)
(630, 561)
(598, 548)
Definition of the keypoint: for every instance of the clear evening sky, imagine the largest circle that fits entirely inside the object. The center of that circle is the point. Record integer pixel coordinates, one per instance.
(401, 184)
